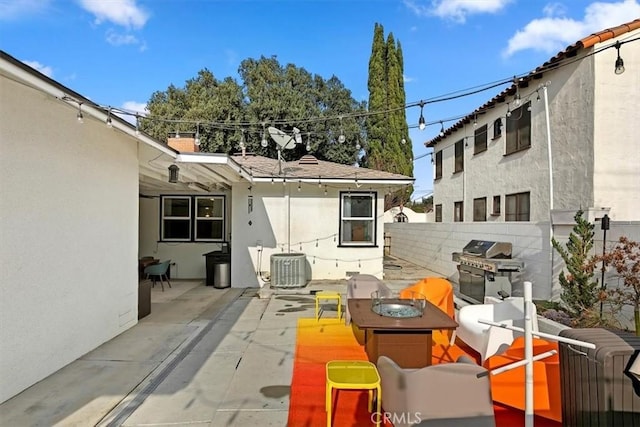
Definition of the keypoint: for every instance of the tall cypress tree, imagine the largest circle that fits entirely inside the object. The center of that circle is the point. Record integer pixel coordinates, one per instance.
(375, 125)
(387, 125)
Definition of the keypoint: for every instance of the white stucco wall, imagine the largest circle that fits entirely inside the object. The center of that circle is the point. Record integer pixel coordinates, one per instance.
(68, 227)
(617, 130)
(307, 221)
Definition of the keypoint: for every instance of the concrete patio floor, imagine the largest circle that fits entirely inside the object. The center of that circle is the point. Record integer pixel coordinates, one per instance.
(203, 357)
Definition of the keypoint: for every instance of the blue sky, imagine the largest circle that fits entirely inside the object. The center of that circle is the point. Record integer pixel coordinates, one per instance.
(118, 52)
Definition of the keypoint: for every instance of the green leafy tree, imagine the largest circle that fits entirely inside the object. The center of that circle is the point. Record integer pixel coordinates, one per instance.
(227, 112)
(580, 292)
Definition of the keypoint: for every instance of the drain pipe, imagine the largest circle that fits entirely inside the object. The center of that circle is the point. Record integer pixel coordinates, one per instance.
(550, 161)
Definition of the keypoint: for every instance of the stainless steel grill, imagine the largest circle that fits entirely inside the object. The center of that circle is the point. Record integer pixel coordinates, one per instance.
(485, 268)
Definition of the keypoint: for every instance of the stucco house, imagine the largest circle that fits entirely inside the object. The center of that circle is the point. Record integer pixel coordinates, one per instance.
(404, 214)
(562, 137)
(85, 195)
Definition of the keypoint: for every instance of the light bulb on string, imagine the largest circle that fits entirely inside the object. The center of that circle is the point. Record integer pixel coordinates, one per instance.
(421, 122)
(109, 121)
(441, 129)
(79, 116)
(296, 135)
(341, 138)
(137, 125)
(264, 141)
(619, 66)
(308, 147)
(516, 100)
(197, 138)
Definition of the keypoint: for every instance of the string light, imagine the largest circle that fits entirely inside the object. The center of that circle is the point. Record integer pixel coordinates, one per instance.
(441, 129)
(137, 125)
(109, 121)
(197, 138)
(619, 69)
(79, 116)
(421, 122)
(341, 138)
(552, 65)
(264, 142)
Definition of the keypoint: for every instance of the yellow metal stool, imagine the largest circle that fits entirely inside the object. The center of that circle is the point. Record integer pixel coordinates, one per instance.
(328, 296)
(354, 375)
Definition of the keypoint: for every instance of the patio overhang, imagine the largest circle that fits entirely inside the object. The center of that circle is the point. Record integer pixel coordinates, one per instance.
(197, 172)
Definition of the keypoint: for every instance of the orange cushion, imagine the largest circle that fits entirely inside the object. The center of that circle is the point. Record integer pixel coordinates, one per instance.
(509, 387)
(437, 290)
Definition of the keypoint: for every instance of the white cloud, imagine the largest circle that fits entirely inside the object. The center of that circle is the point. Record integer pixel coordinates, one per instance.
(554, 32)
(133, 107)
(44, 69)
(125, 13)
(407, 79)
(118, 39)
(136, 107)
(456, 10)
(14, 9)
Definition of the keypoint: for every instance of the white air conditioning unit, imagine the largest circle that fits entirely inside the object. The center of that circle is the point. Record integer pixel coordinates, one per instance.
(288, 270)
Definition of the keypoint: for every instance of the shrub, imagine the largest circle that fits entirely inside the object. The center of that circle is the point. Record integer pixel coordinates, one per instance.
(580, 291)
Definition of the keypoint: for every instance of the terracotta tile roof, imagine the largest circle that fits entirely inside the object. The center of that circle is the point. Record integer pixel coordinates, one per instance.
(308, 167)
(569, 52)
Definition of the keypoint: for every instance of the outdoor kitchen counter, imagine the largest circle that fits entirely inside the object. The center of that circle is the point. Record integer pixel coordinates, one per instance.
(407, 341)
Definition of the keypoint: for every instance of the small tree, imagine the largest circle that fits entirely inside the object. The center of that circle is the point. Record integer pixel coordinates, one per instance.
(624, 258)
(580, 292)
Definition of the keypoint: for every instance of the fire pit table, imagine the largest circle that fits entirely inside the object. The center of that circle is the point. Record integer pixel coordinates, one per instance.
(406, 340)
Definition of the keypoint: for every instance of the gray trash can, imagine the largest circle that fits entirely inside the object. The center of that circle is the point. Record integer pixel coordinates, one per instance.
(218, 268)
(222, 274)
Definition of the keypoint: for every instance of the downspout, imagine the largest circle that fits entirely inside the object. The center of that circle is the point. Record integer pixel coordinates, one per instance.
(550, 161)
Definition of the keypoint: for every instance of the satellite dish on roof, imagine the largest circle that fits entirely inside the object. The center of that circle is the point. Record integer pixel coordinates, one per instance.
(283, 140)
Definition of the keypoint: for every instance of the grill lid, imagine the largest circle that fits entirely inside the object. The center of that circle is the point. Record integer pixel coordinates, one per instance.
(488, 249)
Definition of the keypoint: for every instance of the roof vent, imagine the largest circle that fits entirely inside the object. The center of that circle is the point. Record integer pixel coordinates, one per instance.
(308, 159)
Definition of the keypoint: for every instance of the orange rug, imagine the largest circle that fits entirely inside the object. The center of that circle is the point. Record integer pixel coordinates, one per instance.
(319, 342)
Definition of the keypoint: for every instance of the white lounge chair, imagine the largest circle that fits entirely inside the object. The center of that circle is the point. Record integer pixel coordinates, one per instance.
(489, 340)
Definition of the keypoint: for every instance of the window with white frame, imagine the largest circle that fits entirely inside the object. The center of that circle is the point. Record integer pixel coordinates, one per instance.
(209, 219)
(358, 218)
(192, 219)
(176, 218)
